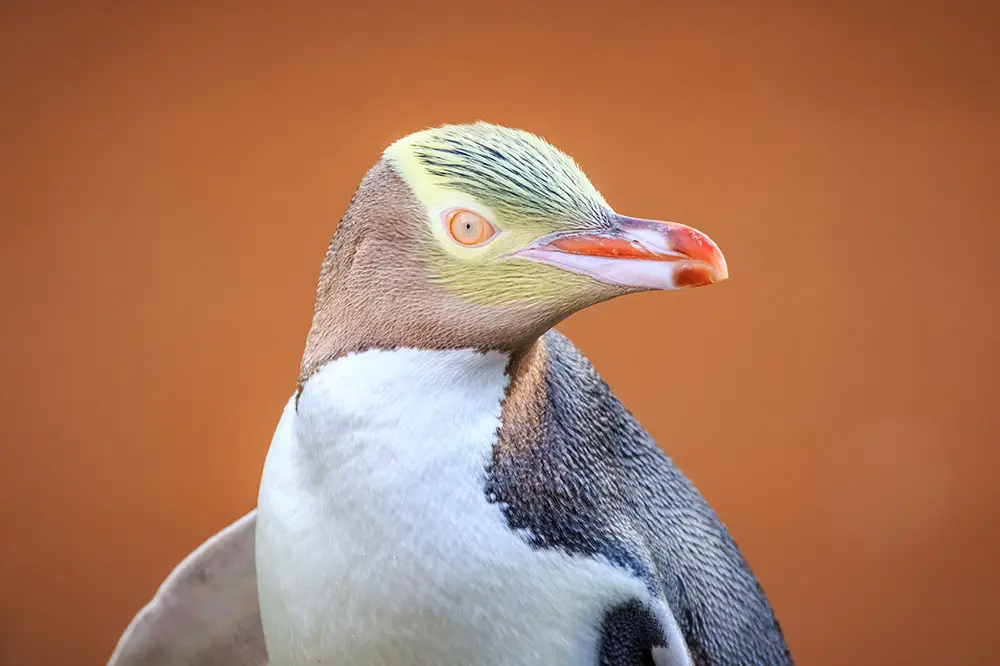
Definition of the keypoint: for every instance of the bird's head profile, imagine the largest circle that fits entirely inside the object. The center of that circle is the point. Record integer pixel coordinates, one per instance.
(484, 236)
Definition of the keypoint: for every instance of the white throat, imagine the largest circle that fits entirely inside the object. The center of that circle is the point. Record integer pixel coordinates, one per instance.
(376, 544)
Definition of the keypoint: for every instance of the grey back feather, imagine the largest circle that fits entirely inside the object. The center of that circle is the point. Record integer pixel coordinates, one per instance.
(650, 513)
(591, 481)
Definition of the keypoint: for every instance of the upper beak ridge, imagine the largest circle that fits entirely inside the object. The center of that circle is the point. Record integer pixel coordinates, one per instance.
(639, 253)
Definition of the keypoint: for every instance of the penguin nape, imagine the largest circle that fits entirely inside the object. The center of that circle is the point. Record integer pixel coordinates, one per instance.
(452, 483)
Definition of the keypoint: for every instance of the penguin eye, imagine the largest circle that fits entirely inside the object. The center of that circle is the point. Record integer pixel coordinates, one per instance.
(468, 228)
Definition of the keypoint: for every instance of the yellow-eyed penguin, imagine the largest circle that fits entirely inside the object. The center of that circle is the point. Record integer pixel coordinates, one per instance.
(452, 484)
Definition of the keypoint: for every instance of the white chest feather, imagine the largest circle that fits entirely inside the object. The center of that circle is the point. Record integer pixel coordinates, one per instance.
(376, 544)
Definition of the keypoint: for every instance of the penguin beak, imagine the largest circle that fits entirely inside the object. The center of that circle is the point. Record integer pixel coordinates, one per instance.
(643, 254)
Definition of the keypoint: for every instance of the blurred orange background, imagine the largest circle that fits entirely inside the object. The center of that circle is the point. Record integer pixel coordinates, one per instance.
(172, 174)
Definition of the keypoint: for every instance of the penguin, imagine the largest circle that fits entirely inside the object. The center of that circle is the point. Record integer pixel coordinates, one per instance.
(451, 482)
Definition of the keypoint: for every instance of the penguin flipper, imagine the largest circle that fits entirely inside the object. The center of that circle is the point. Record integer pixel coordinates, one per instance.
(205, 612)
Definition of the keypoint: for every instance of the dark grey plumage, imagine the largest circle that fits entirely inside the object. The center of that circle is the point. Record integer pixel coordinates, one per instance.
(595, 483)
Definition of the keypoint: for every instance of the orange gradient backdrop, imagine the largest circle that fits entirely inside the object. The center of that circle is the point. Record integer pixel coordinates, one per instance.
(172, 174)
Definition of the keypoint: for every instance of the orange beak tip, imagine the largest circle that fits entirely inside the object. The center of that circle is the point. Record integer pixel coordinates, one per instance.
(697, 274)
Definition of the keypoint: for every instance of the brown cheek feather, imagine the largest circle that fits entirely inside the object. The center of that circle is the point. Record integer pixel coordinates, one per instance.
(370, 296)
(524, 405)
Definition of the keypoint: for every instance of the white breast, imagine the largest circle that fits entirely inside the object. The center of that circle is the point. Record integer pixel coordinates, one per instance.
(375, 542)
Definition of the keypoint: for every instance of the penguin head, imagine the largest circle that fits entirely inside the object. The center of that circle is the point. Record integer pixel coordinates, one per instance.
(484, 236)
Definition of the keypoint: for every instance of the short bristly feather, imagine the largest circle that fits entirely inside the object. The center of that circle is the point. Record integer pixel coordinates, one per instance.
(518, 174)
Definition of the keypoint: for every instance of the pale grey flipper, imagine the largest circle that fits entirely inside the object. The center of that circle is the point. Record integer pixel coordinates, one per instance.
(205, 612)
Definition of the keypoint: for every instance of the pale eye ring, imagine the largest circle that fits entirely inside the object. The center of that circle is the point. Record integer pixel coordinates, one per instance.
(467, 227)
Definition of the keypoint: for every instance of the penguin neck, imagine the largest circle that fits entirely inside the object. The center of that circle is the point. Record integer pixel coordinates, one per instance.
(352, 316)
(345, 323)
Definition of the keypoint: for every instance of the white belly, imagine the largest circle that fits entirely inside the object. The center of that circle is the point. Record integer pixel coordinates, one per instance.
(376, 544)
